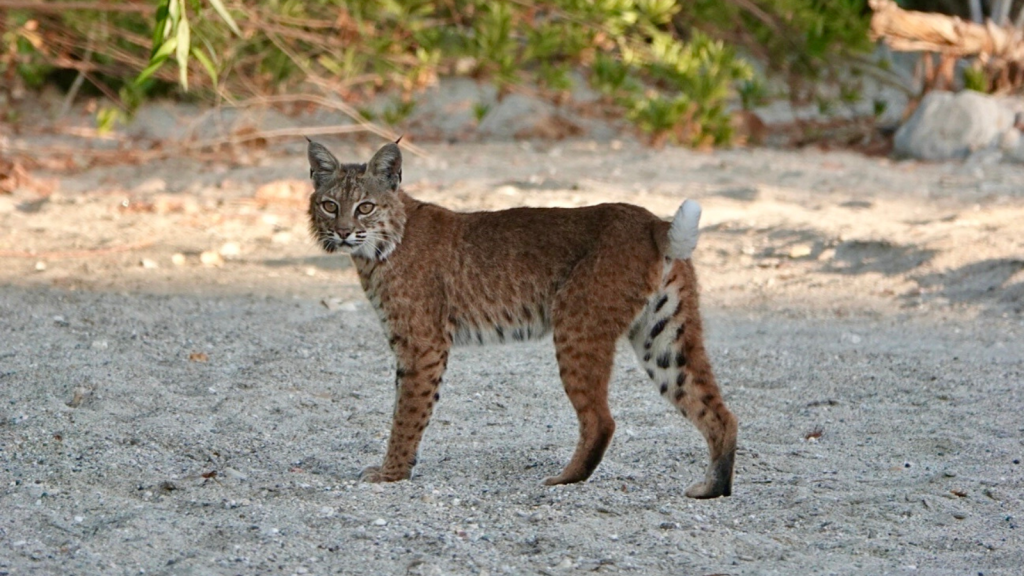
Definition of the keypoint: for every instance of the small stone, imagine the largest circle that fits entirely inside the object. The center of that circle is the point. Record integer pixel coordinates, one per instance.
(800, 251)
(231, 250)
(232, 473)
(281, 238)
(333, 303)
(78, 396)
(151, 185)
(99, 345)
(40, 266)
(211, 258)
(380, 522)
(959, 515)
(147, 263)
(178, 259)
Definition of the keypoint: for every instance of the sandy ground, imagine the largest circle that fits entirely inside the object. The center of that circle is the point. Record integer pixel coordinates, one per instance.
(865, 318)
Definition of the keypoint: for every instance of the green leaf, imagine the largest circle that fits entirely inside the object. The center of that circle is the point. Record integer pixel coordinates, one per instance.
(219, 7)
(207, 63)
(106, 118)
(160, 29)
(165, 49)
(181, 53)
(174, 11)
(154, 65)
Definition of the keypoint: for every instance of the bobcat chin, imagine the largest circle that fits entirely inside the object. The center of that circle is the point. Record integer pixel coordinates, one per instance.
(439, 278)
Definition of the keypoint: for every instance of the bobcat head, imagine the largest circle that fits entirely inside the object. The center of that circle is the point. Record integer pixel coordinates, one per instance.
(355, 208)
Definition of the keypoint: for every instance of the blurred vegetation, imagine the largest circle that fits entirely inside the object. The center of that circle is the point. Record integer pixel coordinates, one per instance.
(672, 67)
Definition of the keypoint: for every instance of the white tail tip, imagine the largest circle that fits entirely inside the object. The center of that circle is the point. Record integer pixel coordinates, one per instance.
(682, 236)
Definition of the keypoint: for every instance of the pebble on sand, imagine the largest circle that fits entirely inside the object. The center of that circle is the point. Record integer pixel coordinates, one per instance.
(211, 258)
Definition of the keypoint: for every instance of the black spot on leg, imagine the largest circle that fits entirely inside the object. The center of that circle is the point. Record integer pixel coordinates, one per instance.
(664, 360)
(661, 302)
(650, 373)
(680, 359)
(681, 380)
(659, 326)
(647, 357)
(527, 313)
(437, 396)
(647, 345)
(706, 400)
(680, 394)
(680, 331)
(401, 373)
(664, 388)
(501, 333)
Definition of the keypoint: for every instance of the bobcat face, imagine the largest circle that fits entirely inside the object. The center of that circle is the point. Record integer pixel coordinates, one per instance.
(355, 208)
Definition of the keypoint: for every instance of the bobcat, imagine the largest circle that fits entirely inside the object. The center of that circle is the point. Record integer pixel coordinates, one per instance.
(439, 278)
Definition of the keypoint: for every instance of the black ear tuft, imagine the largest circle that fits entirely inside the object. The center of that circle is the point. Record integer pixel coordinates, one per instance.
(322, 164)
(386, 164)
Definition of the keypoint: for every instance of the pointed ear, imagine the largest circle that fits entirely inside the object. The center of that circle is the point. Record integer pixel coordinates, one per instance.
(322, 164)
(386, 165)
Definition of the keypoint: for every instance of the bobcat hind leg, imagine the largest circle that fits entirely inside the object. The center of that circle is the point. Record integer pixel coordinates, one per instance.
(668, 341)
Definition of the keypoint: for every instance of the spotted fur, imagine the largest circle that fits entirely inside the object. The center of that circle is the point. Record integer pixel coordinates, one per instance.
(590, 275)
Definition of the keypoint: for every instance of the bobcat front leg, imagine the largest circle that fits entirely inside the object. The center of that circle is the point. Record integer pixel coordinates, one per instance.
(418, 378)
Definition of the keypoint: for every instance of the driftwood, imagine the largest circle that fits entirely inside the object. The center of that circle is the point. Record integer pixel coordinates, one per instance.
(999, 49)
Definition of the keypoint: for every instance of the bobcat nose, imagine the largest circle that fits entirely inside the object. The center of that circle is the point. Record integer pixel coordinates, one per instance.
(343, 232)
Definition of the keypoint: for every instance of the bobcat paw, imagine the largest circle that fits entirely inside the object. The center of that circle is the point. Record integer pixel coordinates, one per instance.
(717, 481)
(371, 474)
(706, 490)
(374, 474)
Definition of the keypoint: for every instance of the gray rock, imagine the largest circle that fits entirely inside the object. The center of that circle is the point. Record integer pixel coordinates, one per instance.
(951, 126)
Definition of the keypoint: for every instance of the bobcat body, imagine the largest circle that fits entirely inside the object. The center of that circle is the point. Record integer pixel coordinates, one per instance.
(439, 278)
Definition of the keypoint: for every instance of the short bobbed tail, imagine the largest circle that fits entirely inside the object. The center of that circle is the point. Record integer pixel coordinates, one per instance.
(684, 232)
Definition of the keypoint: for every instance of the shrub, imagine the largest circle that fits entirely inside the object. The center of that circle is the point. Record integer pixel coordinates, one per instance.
(668, 66)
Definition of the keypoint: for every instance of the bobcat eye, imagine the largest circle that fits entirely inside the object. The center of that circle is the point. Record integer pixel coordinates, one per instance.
(365, 208)
(329, 206)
